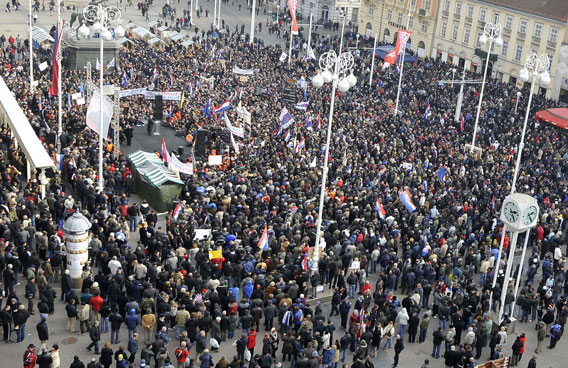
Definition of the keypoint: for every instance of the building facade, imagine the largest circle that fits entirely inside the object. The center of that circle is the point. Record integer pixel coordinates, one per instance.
(383, 18)
(527, 26)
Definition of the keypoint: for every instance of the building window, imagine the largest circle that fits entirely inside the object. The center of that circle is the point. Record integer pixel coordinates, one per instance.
(455, 31)
(428, 5)
(537, 30)
(504, 48)
(523, 26)
(495, 18)
(553, 36)
(410, 22)
(371, 9)
(470, 11)
(401, 2)
(458, 9)
(477, 43)
(482, 14)
(443, 29)
(518, 52)
(413, 4)
(447, 5)
(509, 22)
(399, 18)
(389, 15)
(466, 33)
(424, 26)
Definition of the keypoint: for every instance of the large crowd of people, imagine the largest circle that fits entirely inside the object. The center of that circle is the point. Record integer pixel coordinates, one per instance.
(391, 277)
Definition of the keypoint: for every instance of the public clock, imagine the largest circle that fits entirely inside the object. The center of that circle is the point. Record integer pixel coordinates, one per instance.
(519, 212)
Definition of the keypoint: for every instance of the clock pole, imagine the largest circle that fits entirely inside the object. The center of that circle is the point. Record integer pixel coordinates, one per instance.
(505, 285)
(497, 267)
(518, 281)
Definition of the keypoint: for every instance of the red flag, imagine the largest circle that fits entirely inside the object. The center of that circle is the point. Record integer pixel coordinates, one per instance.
(401, 40)
(165, 154)
(293, 4)
(54, 90)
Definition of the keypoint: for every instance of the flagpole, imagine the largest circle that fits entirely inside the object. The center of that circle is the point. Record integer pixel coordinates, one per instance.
(290, 49)
(252, 21)
(190, 14)
(31, 56)
(60, 107)
(101, 123)
(401, 68)
(373, 61)
(215, 14)
(219, 15)
(310, 33)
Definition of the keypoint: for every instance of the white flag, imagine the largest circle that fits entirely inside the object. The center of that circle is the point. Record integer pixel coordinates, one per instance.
(311, 54)
(93, 113)
(98, 65)
(110, 64)
(235, 144)
(313, 164)
(283, 56)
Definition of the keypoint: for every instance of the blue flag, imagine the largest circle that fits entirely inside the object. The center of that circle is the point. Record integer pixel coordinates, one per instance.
(207, 109)
(442, 174)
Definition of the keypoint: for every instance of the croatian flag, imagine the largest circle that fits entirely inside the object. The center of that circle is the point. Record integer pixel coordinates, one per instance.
(287, 137)
(305, 262)
(165, 154)
(397, 69)
(285, 119)
(301, 145)
(54, 90)
(406, 199)
(380, 210)
(309, 125)
(224, 106)
(303, 105)
(427, 112)
(493, 203)
(462, 124)
(263, 242)
(58, 160)
(319, 120)
(293, 210)
(207, 109)
(178, 211)
(154, 74)
(124, 81)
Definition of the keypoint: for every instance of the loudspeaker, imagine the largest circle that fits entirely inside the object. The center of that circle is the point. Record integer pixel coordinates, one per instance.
(200, 142)
(158, 107)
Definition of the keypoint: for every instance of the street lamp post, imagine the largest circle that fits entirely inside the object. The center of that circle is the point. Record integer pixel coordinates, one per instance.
(402, 55)
(253, 14)
(373, 60)
(491, 33)
(101, 19)
(31, 51)
(517, 102)
(277, 14)
(337, 70)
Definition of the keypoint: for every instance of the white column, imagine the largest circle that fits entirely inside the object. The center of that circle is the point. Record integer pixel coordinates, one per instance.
(497, 266)
(460, 98)
(481, 93)
(310, 32)
(101, 187)
(219, 15)
(505, 286)
(520, 274)
(373, 61)
(252, 16)
(522, 142)
(31, 51)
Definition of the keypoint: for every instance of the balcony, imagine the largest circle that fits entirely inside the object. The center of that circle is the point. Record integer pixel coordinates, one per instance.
(445, 13)
(521, 36)
(457, 16)
(551, 44)
(506, 32)
(468, 20)
(481, 24)
(535, 40)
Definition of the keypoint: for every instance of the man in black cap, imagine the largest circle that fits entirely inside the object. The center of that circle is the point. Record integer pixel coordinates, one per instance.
(30, 356)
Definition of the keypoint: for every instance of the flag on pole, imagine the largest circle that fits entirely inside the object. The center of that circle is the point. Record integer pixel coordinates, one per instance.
(406, 199)
(285, 119)
(283, 57)
(301, 145)
(288, 135)
(360, 331)
(235, 144)
(397, 69)
(462, 125)
(305, 263)
(309, 125)
(110, 64)
(93, 113)
(319, 120)
(124, 81)
(207, 109)
(263, 241)
(182, 98)
(165, 154)
(425, 186)
(47, 128)
(170, 111)
(302, 105)
(154, 74)
(427, 112)
(224, 106)
(380, 210)
(293, 4)
(493, 203)
(58, 160)
(311, 54)
(401, 40)
(178, 211)
(54, 90)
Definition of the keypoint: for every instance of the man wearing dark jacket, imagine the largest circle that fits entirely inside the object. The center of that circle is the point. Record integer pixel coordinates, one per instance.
(115, 322)
(44, 360)
(95, 335)
(20, 318)
(42, 332)
(72, 312)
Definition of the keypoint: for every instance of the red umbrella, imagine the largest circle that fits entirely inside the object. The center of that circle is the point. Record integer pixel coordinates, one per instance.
(557, 117)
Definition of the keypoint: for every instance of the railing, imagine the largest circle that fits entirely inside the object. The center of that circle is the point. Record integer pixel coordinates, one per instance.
(468, 20)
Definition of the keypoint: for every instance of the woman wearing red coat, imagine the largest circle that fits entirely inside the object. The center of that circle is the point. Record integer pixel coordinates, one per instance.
(251, 341)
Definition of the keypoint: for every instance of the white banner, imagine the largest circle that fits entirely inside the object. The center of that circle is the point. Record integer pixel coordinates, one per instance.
(215, 160)
(238, 70)
(76, 96)
(235, 144)
(167, 96)
(243, 113)
(43, 66)
(239, 132)
(283, 57)
(131, 92)
(176, 164)
(93, 113)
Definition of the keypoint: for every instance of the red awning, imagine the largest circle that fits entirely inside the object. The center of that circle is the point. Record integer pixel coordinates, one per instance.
(556, 117)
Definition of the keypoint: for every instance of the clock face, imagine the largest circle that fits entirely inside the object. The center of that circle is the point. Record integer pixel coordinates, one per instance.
(511, 211)
(530, 215)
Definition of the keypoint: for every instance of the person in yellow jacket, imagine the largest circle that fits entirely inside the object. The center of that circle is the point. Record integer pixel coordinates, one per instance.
(148, 323)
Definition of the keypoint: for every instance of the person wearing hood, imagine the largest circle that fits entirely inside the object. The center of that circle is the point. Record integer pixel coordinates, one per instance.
(469, 337)
(248, 289)
(132, 321)
(402, 318)
(77, 363)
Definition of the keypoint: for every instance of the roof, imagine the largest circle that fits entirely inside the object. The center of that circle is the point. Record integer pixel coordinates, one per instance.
(20, 126)
(152, 169)
(40, 35)
(553, 9)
